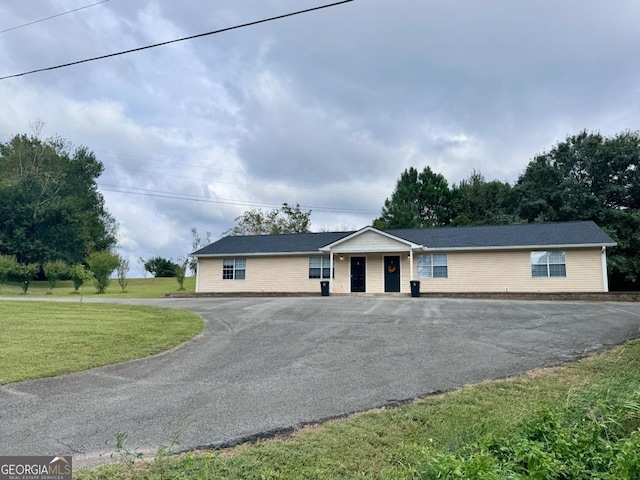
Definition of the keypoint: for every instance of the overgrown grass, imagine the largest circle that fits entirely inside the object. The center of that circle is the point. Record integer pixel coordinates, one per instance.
(136, 288)
(578, 421)
(42, 339)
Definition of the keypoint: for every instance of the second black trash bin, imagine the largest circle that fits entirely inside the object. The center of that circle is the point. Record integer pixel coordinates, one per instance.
(415, 288)
(324, 288)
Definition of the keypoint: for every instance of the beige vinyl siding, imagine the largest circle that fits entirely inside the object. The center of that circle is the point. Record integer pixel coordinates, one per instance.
(370, 242)
(502, 271)
(471, 271)
(263, 274)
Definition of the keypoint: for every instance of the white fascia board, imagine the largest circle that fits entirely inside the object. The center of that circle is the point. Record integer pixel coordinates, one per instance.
(520, 247)
(331, 246)
(262, 254)
(377, 250)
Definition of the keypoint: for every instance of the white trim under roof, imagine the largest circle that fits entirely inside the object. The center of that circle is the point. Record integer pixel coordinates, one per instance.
(546, 246)
(258, 254)
(330, 246)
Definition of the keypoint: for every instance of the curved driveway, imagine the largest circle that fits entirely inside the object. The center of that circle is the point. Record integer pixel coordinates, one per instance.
(267, 363)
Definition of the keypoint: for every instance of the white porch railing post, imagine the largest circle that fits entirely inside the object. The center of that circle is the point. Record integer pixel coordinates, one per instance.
(411, 263)
(331, 272)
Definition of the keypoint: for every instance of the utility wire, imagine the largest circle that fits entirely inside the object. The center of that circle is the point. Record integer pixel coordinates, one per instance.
(52, 16)
(177, 40)
(195, 198)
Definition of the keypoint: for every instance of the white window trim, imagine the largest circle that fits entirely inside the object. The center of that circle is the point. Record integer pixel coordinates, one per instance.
(235, 268)
(548, 264)
(431, 266)
(332, 269)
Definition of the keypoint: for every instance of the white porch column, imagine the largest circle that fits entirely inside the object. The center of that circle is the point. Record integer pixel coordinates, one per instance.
(331, 272)
(605, 277)
(411, 263)
(197, 275)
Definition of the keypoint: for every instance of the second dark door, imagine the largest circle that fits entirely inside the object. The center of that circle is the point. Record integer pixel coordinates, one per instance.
(392, 274)
(358, 274)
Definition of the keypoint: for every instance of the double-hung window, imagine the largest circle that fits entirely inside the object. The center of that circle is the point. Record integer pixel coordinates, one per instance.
(548, 264)
(234, 268)
(319, 267)
(433, 265)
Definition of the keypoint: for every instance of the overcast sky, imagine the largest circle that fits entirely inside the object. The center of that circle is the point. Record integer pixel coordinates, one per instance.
(324, 109)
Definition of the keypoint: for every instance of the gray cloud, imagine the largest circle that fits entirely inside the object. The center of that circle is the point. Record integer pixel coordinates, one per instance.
(324, 109)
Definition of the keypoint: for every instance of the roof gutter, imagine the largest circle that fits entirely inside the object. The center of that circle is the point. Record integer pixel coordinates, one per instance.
(519, 247)
(260, 254)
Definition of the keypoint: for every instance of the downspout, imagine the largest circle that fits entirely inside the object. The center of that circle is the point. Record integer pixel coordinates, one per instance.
(605, 277)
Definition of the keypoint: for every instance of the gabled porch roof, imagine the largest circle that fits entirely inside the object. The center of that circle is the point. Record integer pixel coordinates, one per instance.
(370, 239)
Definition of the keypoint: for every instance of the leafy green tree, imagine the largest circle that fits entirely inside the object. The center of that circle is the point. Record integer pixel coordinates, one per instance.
(25, 272)
(286, 219)
(478, 202)
(79, 274)
(122, 270)
(539, 193)
(102, 264)
(419, 200)
(181, 272)
(7, 267)
(160, 267)
(590, 177)
(54, 271)
(50, 206)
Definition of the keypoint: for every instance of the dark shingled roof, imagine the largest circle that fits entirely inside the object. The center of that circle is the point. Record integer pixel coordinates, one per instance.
(486, 236)
(516, 235)
(285, 243)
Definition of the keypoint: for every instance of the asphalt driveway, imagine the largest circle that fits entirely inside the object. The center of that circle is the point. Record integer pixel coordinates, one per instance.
(268, 363)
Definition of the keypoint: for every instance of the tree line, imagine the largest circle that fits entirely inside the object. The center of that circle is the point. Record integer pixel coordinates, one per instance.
(53, 221)
(588, 176)
(51, 210)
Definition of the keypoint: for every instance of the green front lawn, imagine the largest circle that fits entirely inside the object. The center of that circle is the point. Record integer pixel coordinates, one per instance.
(136, 288)
(43, 339)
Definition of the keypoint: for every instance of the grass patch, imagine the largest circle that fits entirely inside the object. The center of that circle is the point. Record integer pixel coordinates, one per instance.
(136, 288)
(578, 421)
(43, 339)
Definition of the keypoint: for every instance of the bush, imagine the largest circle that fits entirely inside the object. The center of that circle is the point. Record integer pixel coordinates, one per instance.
(25, 272)
(181, 272)
(123, 268)
(102, 264)
(78, 274)
(54, 271)
(7, 267)
(594, 434)
(160, 267)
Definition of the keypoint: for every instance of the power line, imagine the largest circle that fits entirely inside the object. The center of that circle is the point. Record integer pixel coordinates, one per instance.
(52, 16)
(177, 40)
(227, 182)
(196, 198)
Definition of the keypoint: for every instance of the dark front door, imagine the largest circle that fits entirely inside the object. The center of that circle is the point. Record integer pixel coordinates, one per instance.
(392, 274)
(358, 274)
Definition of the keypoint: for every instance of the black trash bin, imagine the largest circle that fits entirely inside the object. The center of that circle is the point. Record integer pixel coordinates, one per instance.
(324, 288)
(415, 288)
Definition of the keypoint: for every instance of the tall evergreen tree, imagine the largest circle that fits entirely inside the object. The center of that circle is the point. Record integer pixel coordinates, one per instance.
(419, 200)
(478, 202)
